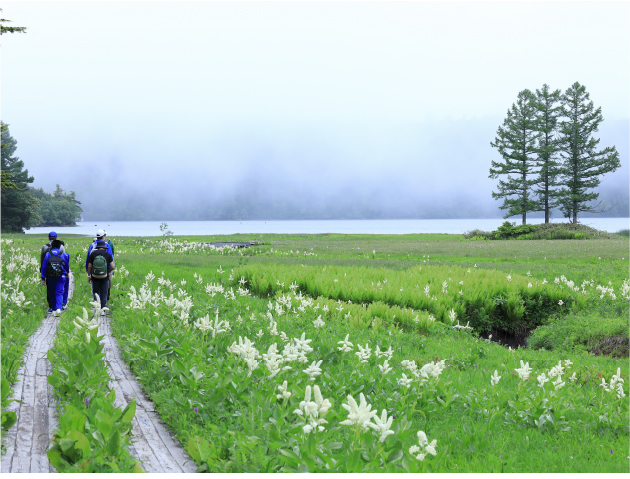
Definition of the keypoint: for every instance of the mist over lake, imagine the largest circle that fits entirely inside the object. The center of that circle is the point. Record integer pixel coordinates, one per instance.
(188, 228)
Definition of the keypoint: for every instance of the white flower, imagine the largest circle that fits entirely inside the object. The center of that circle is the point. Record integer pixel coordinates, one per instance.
(429, 448)
(384, 367)
(345, 345)
(260, 334)
(364, 353)
(318, 323)
(284, 392)
(556, 370)
(383, 425)
(567, 363)
(524, 371)
(494, 379)
(452, 315)
(558, 383)
(302, 344)
(313, 370)
(573, 377)
(404, 381)
(359, 414)
(560, 302)
(542, 379)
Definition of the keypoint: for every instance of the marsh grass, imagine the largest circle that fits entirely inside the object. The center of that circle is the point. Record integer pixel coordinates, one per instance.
(240, 430)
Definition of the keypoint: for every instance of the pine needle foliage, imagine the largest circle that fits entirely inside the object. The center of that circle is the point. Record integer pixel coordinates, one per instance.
(583, 165)
(516, 142)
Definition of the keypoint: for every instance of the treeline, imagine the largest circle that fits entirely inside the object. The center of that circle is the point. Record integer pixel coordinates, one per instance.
(24, 207)
(549, 155)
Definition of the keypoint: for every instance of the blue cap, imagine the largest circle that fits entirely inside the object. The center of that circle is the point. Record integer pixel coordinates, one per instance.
(52, 234)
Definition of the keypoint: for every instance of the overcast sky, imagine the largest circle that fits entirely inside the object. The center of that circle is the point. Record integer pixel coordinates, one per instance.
(199, 96)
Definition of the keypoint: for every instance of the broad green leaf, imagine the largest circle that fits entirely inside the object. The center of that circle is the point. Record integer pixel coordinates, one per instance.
(129, 412)
(81, 443)
(395, 455)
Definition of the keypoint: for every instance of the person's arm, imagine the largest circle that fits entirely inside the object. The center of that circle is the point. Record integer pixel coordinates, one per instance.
(88, 256)
(43, 269)
(111, 245)
(41, 256)
(89, 272)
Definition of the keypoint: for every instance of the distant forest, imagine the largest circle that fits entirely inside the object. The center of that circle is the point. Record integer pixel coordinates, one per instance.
(250, 205)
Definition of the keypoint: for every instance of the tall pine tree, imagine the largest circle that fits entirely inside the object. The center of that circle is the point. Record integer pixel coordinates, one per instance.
(19, 207)
(548, 111)
(582, 165)
(517, 141)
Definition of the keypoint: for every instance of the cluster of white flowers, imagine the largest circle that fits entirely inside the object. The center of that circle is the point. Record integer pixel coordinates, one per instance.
(425, 447)
(494, 379)
(284, 391)
(524, 371)
(385, 354)
(274, 361)
(246, 350)
(212, 289)
(318, 323)
(313, 370)
(85, 325)
(204, 324)
(346, 345)
(615, 385)
(364, 353)
(359, 414)
(313, 411)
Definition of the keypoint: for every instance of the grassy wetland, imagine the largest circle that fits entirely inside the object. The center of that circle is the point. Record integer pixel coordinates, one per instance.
(275, 358)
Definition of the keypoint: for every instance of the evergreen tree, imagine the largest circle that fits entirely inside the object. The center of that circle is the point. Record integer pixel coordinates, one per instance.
(19, 207)
(58, 209)
(517, 143)
(6, 29)
(582, 165)
(548, 111)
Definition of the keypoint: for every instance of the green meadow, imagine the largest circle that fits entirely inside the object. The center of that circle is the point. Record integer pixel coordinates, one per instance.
(274, 358)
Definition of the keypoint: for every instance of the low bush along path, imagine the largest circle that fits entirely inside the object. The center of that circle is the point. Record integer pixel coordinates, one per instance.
(29, 439)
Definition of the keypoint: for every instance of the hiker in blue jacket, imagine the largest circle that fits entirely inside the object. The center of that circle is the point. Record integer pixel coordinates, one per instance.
(66, 285)
(54, 274)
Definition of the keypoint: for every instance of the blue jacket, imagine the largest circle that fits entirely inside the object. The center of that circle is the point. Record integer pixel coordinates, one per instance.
(92, 246)
(66, 261)
(64, 265)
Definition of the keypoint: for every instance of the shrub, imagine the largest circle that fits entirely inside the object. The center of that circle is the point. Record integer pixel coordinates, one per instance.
(595, 332)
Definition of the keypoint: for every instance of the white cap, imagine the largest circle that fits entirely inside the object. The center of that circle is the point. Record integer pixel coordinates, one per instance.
(100, 233)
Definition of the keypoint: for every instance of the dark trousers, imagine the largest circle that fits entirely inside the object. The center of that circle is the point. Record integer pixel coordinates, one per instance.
(100, 287)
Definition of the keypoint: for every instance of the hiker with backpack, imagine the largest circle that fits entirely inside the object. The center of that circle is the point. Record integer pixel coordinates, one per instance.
(100, 236)
(99, 264)
(66, 284)
(54, 272)
(47, 247)
(52, 236)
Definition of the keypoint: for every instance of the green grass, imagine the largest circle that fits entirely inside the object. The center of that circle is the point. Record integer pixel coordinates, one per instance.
(247, 427)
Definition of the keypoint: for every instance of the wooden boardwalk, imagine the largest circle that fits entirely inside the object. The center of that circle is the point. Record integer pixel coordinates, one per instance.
(29, 439)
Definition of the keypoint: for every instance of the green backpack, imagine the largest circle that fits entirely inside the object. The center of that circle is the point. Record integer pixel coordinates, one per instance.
(99, 267)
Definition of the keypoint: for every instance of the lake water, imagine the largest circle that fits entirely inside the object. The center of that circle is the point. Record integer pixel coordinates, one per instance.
(188, 228)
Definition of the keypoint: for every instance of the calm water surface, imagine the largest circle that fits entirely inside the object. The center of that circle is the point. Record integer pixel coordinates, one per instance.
(188, 228)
